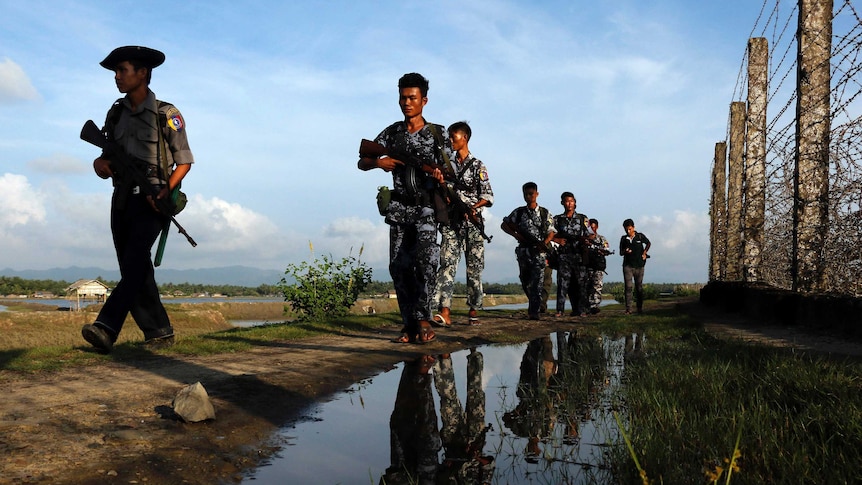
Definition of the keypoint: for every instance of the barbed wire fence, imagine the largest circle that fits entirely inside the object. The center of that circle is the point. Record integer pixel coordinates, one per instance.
(842, 252)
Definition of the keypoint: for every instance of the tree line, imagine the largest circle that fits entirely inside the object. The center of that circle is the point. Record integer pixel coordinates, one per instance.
(13, 285)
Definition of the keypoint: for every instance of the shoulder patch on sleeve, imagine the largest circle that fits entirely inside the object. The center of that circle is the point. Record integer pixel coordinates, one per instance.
(175, 120)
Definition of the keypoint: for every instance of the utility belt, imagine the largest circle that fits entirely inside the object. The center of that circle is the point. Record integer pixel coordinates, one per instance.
(136, 190)
(420, 198)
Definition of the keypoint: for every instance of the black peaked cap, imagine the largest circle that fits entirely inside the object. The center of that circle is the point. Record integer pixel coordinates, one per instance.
(149, 57)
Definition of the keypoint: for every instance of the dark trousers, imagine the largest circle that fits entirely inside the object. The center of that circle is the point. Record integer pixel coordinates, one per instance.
(413, 258)
(531, 272)
(135, 228)
(635, 275)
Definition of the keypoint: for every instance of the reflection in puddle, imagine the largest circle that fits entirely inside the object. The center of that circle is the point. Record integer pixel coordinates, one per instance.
(531, 413)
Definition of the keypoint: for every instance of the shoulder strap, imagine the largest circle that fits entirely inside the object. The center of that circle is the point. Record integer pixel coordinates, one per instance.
(438, 140)
(545, 227)
(464, 169)
(162, 152)
(113, 117)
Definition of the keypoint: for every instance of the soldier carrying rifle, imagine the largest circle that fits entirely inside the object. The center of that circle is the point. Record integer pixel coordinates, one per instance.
(151, 135)
(472, 189)
(413, 249)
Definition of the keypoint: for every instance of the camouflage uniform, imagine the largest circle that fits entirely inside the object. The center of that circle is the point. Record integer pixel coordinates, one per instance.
(536, 224)
(595, 277)
(572, 274)
(463, 432)
(413, 249)
(413, 435)
(532, 418)
(471, 185)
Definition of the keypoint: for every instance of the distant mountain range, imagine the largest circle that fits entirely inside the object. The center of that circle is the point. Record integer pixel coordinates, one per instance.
(227, 275)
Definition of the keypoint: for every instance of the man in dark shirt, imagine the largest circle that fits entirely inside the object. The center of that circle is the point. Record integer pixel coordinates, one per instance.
(633, 248)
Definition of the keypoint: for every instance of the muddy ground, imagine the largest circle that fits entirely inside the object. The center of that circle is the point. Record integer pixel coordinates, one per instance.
(113, 423)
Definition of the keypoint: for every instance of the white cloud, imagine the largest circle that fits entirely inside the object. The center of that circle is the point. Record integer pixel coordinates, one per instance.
(349, 234)
(349, 227)
(21, 203)
(14, 83)
(59, 164)
(228, 226)
(688, 229)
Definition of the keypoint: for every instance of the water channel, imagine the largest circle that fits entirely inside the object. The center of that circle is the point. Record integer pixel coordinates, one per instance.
(537, 412)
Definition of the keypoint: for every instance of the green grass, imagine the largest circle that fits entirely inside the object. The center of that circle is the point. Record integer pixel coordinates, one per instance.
(196, 339)
(689, 396)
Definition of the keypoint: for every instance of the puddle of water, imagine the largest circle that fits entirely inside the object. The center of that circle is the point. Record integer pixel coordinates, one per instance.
(531, 413)
(523, 306)
(511, 306)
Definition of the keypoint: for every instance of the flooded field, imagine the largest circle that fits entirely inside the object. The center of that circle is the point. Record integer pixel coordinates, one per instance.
(537, 412)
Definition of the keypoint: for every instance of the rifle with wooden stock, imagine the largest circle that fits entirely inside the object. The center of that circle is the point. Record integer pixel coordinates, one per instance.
(460, 209)
(132, 171)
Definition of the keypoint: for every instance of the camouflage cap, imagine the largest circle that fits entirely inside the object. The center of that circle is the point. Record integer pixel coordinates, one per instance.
(149, 57)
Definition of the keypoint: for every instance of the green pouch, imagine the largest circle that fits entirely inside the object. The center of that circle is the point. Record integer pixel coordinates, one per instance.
(180, 200)
(384, 196)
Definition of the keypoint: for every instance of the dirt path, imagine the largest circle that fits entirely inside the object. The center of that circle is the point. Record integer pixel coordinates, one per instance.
(110, 423)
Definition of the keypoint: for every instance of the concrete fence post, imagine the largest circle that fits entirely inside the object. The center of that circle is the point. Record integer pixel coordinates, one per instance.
(735, 175)
(718, 214)
(813, 124)
(755, 159)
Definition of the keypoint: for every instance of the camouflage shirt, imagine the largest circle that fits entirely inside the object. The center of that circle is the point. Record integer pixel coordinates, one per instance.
(534, 223)
(571, 228)
(422, 144)
(471, 181)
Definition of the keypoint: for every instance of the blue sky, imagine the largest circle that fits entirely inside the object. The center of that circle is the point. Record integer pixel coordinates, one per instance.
(619, 102)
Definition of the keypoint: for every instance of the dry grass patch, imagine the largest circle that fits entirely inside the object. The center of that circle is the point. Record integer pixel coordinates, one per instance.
(26, 330)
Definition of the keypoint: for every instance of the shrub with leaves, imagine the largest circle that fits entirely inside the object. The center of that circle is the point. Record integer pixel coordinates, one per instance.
(325, 288)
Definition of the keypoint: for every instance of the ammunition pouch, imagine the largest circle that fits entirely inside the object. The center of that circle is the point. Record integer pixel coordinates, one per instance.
(384, 197)
(441, 208)
(180, 200)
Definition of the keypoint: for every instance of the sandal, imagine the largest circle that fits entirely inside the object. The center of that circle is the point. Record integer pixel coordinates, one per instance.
(426, 335)
(441, 321)
(403, 339)
(426, 362)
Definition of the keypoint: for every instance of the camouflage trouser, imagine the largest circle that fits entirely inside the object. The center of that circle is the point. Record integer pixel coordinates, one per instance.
(531, 272)
(572, 283)
(595, 283)
(467, 238)
(462, 431)
(413, 258)
(547, 282)
(457, 424)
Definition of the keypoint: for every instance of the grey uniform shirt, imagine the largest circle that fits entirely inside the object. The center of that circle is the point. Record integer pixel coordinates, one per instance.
(137, 132)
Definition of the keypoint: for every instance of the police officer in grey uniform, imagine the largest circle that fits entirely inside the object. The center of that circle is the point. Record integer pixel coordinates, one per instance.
(154, 134)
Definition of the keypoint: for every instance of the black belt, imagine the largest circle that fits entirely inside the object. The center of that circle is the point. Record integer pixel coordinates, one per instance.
(408, 199)
(136, 189)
